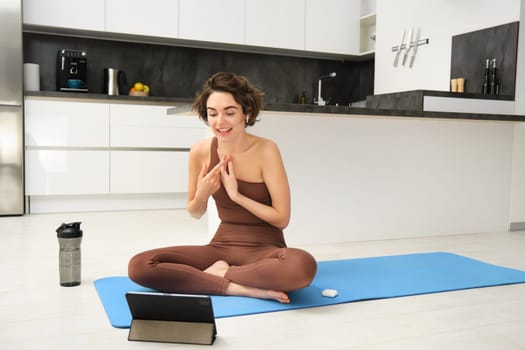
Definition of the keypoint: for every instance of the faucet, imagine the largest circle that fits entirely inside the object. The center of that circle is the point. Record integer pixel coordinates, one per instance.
(320, 101)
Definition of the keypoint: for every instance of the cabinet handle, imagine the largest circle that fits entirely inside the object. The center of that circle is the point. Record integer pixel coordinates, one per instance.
(178, 109)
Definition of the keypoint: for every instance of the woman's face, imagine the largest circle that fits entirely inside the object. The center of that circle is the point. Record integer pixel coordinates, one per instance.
(225, 116)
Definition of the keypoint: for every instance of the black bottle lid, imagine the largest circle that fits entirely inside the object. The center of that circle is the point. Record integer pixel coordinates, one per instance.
(71, 230)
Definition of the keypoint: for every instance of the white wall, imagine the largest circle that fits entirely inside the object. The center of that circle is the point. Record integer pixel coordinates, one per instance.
(439, 20)
(520, 71)
(517, 200)
(517, 203)
(368, 7)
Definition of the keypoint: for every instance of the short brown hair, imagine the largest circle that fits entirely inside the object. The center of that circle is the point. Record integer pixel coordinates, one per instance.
(244, 93)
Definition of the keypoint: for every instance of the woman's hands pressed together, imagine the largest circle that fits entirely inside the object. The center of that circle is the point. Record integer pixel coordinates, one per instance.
(228, 178)
(209, 182)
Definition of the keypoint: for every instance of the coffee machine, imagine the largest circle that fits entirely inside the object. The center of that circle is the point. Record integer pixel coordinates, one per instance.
(72, 70)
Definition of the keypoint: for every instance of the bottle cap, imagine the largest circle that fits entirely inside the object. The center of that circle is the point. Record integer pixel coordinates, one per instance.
(71, 230)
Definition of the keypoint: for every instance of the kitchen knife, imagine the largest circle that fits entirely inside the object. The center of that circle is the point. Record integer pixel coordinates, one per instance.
(407, 45)
(399, 48)
(414, 50)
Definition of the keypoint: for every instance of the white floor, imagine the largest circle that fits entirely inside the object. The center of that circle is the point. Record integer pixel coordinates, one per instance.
(36, 313)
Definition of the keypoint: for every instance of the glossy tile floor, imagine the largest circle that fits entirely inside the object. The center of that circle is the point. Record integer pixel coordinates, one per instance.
(36, 313)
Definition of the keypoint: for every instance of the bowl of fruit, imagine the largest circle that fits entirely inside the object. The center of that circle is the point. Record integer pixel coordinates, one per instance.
(139, 89)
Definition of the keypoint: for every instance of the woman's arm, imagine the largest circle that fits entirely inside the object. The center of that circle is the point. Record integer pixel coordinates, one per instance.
(201, 183)
(276, 180)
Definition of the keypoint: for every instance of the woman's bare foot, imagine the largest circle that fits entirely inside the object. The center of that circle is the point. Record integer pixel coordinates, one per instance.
(240, 290)
(218, 268)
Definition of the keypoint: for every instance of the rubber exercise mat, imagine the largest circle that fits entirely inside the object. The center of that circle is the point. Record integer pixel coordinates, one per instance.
(354, 279)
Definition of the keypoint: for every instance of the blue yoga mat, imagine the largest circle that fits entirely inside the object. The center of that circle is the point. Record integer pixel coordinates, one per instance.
(354, 279)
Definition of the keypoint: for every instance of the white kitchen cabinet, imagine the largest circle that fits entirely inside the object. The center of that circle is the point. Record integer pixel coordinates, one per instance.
(149, 172)
(66, 172)
(332, 26)
(78, 14)
(275, 23)
(212, 20)
(150, 148)
(150, 127)
(66, 124)
(61, 141)
(158, 18)
(90, 155)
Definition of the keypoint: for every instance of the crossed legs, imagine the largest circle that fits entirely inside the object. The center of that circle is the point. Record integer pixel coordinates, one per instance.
(262, 272)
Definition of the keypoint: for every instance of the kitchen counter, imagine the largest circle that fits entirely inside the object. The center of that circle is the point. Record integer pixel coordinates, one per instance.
(383, 177)
(106, 98)
(120, 153)
(443, 101)
(183, 105)
(408, 99)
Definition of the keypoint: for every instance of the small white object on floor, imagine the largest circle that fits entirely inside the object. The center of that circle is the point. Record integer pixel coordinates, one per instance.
(329, 293)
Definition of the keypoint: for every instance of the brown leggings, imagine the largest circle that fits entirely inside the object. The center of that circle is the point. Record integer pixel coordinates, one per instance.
(180, 269)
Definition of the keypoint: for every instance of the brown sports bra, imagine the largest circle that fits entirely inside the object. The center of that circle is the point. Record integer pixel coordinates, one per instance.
(231, 213)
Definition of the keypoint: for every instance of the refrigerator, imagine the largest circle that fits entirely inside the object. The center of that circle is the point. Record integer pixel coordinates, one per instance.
(11, 109)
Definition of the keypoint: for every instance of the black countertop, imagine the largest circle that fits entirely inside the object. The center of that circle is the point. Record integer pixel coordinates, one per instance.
(414, 101)
(294, 108)
(106, 98)
(446, 94)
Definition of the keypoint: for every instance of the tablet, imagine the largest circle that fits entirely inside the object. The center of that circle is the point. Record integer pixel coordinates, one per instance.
(176, 318)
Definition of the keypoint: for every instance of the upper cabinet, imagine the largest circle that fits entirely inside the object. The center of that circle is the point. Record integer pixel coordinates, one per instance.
(275, 23)
(212, 20)
(323, 27)
(79, 14)
(332, 26)
(151, 18)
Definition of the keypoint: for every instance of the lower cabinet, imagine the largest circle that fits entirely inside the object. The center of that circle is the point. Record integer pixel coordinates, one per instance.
(150, 127)
(70, 172)
(148, 172)
(66, 172)
(66, 124)
(78, 148)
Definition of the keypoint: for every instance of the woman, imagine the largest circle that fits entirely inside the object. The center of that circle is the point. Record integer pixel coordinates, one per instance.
(246, 177)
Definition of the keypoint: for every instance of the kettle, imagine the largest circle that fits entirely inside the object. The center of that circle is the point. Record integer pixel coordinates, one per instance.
(115, 81)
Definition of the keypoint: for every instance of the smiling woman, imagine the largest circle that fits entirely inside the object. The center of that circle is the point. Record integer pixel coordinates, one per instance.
(241, 90)
(223, 112)
(246, 177)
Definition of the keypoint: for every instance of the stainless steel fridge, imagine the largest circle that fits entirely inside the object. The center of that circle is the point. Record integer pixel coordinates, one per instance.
(11, 109)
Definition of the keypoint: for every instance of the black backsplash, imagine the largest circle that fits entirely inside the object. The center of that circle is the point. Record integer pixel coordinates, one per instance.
(173, 71)
(470, 50)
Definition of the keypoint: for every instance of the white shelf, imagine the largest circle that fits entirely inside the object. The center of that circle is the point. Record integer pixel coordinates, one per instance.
(368, 19)
(367, 29)
(369, 53)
